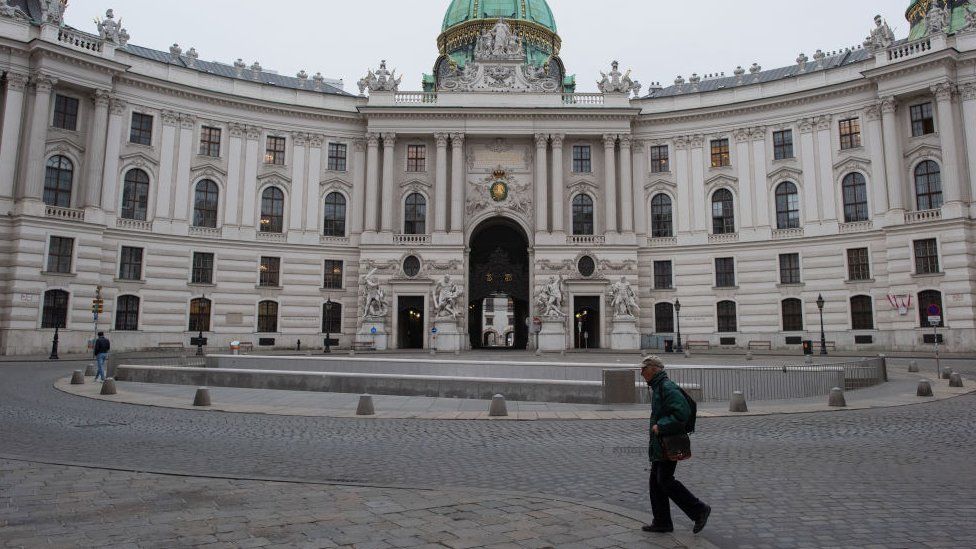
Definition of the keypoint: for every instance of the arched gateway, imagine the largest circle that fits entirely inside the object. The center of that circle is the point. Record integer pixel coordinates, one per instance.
(498, 279)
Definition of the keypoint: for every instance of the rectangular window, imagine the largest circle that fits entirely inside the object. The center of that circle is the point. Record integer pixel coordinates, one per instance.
(203, 266)
(130, 263)
(783, 144)
(725, 272)
(333, 275)
(270, 272)
(789, 268)
(660, 162)
(141, 130)
(337, 157)
(582, 159)
(720, 153)
(662, 275)
(858, 265)
(274, 151)
(210, 141)
(65, 113)
(664, 318)
(416, 158)
(923, 123)
(850, 133)
(59, 254)
(926, 256)
(332, 318)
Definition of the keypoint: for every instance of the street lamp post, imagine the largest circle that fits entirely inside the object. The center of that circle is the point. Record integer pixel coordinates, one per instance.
(328, 326)
(54, 344)
(677, 309)
(823, 336)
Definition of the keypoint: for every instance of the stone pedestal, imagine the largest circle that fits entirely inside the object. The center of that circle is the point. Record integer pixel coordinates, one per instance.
(448, 337)
(375, 331)
(553, 335)
(624, 335)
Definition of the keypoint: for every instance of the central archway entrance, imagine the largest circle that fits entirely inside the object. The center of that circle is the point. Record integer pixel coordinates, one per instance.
(498, 279)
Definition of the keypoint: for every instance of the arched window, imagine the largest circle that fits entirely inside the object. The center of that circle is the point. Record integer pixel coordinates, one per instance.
(723, 212)
(787, 206)
(664, 318)
(855, 192)
(415, 214)
(55, 313)
(200, 315)
(332, 318)
(135, 195)
(335, 215)
(582, 215)
(57, 182)
(928, 186)
(926, 299)
(862, 313)
(267, 317)
(661, 217)
(272, 210)
(205, 201)
(726, 317)
(792, 315)
(127, 313)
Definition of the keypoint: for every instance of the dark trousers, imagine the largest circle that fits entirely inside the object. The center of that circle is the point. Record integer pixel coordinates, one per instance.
(664, 487)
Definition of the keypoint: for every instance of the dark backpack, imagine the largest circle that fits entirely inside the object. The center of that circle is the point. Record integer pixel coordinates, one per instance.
(693, 416)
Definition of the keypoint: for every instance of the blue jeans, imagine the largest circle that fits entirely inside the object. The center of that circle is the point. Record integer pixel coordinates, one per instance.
(100, 359)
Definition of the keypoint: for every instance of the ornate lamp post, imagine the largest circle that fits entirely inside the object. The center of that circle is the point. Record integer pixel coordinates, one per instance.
(199, 341)
(823, 336)
(677, 309)
(54, 343)
(328, 326)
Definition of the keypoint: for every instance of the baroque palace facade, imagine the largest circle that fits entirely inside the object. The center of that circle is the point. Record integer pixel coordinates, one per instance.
(195, 196)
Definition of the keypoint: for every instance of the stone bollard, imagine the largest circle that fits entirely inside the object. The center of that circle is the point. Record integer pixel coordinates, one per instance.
(108, 388)
(202, 398)
(749, 355)
(913, 367)
(78, 377)
(924, 388)
(955, 380)
(497, 408)
(90, 370)
(946, 373)
(365, 407)
(738, 404)
(837, 399)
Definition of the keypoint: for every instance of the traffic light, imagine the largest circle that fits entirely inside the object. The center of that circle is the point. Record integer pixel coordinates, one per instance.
(98, 306)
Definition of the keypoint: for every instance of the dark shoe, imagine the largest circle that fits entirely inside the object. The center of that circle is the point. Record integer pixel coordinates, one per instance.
(657, 529)
(702, 520)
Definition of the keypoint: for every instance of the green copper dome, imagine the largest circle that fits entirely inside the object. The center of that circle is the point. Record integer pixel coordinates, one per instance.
(534, 11)
(918, 12)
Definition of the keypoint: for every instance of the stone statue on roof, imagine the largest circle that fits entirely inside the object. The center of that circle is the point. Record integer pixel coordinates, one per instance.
(939, 19)
(111, 30)
(380, 80)
(9, 10)
(881, 36)
(615, 82)
(970, 15)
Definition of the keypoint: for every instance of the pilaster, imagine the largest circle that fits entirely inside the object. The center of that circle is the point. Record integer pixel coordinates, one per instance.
(457, 182)
(252, 159)
(372, 182)
(235, 154)
(610, 182)
(167, 160)
(13, 113)
(95, 155)
(893, 159)
(946, 116)
(113, 147)
(298, 183)
(875, 143)
(389, 201)
(967, 94)
(541, 182)
(558, 185)
(359, 186)
(682, 170)
(440, 184)
(626, 185)
(760, 193)
(313, 171)
(34, 171)
(747, 200)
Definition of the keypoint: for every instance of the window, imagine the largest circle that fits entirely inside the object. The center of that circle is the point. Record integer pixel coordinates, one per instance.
(59, 255)
(272, 210)
(726, 317)
(274, 151)
(200, 315)
(203, 265)
(337, 157)
(55, 313)
(415, 214)
(862, 313)
(661, 217)
(923, 123)
(787, 206)
(850, 133)
(925, 300)
(416, 158)
(205, 201)
(664, 318)
(582, 159)
(332, 318)
(270, 272)
(720, 153)
(783, 145)
(127, 313)
(57, 182)
(65, 112)
(792, 315)
(267, 317)
(855, 192)
(789, 268)
(858, 264)
(141, 131)
(660, 162)
(928, 186)
(926, 256)
(582, 215)
(130, 263)
(723, 215)
(662, 275)
(210, 141)
(333, 275)
(725, 272)
(334, 223)
(135, 195)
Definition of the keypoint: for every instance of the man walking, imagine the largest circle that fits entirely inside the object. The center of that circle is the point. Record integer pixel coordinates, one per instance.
(669, 414)
(102, 347)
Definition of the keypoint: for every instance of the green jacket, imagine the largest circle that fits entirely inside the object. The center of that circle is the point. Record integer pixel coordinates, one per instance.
(669, 411)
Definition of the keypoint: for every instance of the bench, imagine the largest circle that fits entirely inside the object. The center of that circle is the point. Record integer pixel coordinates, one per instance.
(698, 345)
(760, 345)
(170, 345)
(247, 347)
(363, 346)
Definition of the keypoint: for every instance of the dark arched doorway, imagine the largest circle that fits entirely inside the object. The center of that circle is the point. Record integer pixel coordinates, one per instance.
(498, 278)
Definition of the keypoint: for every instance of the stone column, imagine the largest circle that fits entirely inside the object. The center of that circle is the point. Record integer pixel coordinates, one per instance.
(299, 142)
(389, 164)
(35, 169)
(313, 199)
(457, 182)
(13, 114)
(372, 181)
(946, 115)
(968, 93)
(893, 154)
(747, 209)
(252, 159)
(682, 206)
(558, 186)
(626, 185)
(641, 211)
(167, 155)
(828, 193)
(187, 145)
(113, 146)
(702, 222)
(759, 193)
(235, 152)
(875, 143)
(359, 186)
(808, 160)
(610, 182)
(541, 183)
(95, 155)
(440, 184)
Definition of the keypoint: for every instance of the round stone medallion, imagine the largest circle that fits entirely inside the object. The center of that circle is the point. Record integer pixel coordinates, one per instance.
(411, 266)
(499, 191)
(586, 266)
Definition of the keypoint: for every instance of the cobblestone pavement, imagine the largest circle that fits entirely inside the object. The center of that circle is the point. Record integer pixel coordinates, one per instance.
(900, 477)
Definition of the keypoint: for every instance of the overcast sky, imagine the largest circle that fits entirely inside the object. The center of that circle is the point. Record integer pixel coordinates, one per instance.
(658, 39)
